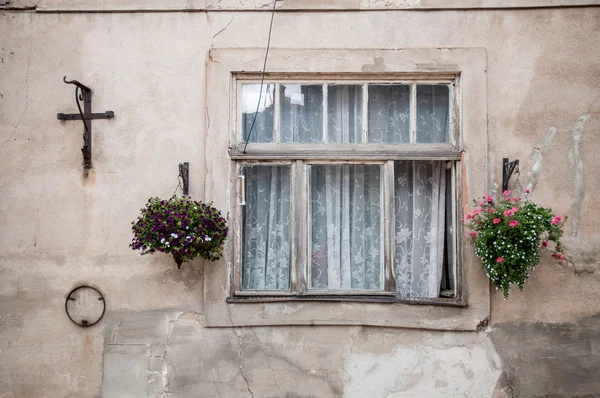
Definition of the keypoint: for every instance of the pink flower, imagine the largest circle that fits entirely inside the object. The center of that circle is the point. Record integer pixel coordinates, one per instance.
(506, 193)
(492, 210)
(527, 190)
(499, 259)
(480, 203)
(514, 209)
(556, 220)
(473, 234)
(490, 199)
(513, 223)
(544, 243)
(497, 221)
(559, 256)
(516, 200)
(469, 217)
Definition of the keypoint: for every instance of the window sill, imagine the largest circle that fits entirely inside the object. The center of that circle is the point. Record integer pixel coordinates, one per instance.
(347, 299)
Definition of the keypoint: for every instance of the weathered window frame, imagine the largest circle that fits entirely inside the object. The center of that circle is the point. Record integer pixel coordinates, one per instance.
(300, 157)
(223, 67)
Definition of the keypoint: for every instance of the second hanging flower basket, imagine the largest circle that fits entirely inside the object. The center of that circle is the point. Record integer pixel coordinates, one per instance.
(509, 236)
(181, 227)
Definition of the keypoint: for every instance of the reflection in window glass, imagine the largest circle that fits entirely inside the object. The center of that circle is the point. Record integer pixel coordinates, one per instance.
(346, 239)
(301, 113)
(389, 113)
(266, 223)
(263, 126)
(432, 114)
(344, 113)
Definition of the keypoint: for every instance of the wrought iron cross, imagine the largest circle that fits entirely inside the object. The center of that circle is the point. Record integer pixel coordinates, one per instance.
(86, 116)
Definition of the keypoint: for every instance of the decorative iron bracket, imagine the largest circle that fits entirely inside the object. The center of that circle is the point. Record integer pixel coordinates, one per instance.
(508, 168)
(86, 117)
(184, 174)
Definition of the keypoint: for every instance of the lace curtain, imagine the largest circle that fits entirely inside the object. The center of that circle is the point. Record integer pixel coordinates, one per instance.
(266, 228)
(420, 197)
(346, 227)
(345, 204)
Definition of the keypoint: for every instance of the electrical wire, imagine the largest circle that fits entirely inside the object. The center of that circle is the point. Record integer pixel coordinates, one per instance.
(262, 78)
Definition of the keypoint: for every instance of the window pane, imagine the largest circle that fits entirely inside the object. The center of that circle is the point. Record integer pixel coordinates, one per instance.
(301, 113)
(433, 122)
(346, 239)
(389, 113)
(420, 199)
(263, 126)
(344, 115)
(447, 288)
(266, 226)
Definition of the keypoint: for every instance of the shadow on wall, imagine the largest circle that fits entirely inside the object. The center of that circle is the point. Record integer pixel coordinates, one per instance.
(549, 360)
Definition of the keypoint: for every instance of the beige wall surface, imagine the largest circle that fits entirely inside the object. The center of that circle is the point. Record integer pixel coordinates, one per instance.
(60, 228)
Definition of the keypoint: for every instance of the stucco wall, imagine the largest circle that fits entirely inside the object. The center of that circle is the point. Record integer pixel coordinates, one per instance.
(59, 228)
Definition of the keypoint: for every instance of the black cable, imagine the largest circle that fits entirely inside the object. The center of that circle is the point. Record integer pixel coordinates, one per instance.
(262, 79)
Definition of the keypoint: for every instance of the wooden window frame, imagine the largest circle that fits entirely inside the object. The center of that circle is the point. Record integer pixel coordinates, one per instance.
(301, 156)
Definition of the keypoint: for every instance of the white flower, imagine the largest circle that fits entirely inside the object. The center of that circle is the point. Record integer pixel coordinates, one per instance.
(174, 235)
(207, 238)
(162, 240)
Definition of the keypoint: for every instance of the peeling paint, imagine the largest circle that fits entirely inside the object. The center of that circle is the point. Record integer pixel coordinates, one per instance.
(538, 157)
(578, 177)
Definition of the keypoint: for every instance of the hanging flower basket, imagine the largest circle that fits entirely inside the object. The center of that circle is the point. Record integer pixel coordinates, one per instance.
(509, 236)
(182, 227)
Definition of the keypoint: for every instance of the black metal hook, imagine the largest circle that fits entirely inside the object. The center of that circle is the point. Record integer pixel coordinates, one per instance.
(75, 82)
(508, 168)
(184, 174)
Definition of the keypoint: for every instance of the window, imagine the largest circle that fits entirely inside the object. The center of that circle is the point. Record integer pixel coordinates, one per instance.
(347, 189)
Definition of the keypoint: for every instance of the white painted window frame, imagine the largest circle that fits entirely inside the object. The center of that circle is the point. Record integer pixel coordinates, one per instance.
(300, 157)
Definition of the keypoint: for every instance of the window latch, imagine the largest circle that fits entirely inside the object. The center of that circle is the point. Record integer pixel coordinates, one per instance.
(243, 190)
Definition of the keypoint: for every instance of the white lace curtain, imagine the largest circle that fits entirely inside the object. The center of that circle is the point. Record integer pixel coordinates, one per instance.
(346, 244)
(419, 191)
(266, 228)
(345, 210)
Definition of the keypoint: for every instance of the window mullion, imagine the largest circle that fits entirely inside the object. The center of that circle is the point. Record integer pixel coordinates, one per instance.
(325, 112)
(365, 113)
(301, 227)
(388, 226)
(276, 129)
(293, 232)
(413, 113)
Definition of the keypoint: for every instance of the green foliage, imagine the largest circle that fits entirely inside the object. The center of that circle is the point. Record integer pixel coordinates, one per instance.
(180, 226)
(509, 236)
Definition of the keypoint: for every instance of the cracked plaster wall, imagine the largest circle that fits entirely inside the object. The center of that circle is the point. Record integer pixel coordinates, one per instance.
(60, 229)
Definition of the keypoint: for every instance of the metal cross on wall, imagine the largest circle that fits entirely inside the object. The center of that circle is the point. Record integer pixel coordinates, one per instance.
(86, 116)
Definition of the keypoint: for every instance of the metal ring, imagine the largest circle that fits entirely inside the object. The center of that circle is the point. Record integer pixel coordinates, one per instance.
(84, 323)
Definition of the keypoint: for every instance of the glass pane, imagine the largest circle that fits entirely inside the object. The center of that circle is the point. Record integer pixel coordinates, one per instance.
(263, 126)
(447, 289)
(420, 202)
(301, 113)
(344, 114)
(433, 121)
(266, 223)
(389, 113)
(345, 211)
